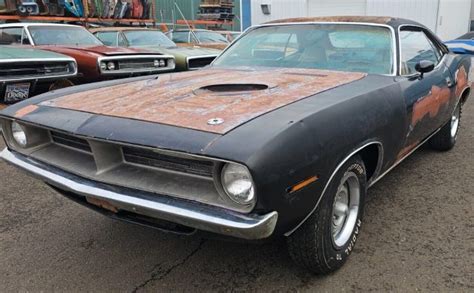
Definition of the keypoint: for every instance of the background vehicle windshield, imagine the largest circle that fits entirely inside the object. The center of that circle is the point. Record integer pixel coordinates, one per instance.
(63, 35)
(340, 47)
(210, 37)
(148, 38)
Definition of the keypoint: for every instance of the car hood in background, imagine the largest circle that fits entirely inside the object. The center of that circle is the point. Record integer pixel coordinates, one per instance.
(215, 46)
(24, 52)
(184, 51)
(101, 50)
(461, 46)
(211, 100)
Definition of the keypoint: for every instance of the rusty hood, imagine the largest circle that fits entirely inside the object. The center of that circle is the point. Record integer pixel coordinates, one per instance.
(100, 50)
(211, 100)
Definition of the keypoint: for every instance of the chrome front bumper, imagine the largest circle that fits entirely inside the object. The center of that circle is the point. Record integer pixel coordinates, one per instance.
(187, 213)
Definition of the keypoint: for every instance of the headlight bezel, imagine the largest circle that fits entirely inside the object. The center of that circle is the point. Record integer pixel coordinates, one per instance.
(225, 186)
(35, 137)
(24, 136)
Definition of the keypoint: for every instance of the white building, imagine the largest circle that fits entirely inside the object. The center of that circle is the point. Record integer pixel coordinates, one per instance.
(447, 18)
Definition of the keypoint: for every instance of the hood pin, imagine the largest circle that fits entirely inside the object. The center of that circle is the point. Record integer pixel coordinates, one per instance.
(215, 121)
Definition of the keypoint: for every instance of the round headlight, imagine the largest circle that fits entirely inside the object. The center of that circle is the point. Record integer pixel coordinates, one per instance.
(19, 134)
(156, 63)
(162, 63)
(110, 65)
(103, 66)
(237, 183)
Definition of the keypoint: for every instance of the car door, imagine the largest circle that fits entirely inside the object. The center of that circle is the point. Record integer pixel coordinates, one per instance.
(427, 95)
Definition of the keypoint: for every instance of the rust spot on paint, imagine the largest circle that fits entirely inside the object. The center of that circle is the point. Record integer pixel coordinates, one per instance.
(187, 99)
(25, 111)
(102, 204)
(2, 106)
(461, 81)
(430, 104)
(406, 150)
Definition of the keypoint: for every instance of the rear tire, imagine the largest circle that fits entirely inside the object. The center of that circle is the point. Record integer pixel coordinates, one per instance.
(446, 138)
(326, 239)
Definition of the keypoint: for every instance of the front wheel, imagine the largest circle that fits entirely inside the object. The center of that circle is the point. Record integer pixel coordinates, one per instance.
(325, 241)
(447, 136)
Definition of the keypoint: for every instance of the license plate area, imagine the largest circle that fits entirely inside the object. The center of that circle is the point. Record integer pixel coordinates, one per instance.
(16, 92)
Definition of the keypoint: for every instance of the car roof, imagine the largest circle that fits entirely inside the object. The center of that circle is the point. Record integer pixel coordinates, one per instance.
(121, 28)
(379, 20)
(26, 24)
(194, 30)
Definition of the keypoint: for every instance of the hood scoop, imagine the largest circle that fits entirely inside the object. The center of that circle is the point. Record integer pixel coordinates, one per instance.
(233, 88)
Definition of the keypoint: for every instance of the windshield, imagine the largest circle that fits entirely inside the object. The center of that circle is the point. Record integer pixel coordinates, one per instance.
(148, 38)
(210, 37)
(340, 47)
(63, 35)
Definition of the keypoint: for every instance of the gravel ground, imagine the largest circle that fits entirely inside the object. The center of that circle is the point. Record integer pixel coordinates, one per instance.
(418, 235)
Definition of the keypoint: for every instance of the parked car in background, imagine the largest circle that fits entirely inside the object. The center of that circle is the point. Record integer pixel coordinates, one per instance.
(187, 58)
(229, 35)
(281, 136)
(25, 72)
(95, 60)
(462, 45)
(198, 37)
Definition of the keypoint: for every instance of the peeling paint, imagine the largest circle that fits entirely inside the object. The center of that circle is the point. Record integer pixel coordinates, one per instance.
(461, 81)
(430, 104)
(182, 99)
(25, 111)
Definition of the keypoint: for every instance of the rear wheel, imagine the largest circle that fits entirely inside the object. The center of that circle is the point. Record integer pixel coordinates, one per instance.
(446, 138)
(325, 241)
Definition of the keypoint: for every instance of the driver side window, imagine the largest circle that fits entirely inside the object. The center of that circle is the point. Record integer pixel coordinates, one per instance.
(415, 47)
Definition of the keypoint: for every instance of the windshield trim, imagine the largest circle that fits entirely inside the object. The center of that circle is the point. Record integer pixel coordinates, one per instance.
(391, 29)
(124, 33)
(33, 42)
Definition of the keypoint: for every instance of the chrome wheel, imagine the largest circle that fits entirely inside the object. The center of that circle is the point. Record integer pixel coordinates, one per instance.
(455, 122)
(345, 209)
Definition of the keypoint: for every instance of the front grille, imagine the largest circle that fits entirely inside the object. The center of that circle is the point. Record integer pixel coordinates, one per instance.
(136, 64)
(71, 141)
(195, 63)
(35, 69)
(152, 159)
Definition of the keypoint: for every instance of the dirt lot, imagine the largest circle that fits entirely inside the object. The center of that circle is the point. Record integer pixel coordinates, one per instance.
(418, 235)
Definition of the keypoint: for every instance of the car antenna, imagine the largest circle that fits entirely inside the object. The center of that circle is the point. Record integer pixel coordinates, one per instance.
(185, 20)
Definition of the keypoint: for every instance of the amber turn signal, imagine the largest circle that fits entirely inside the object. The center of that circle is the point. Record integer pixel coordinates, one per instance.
(303, 184)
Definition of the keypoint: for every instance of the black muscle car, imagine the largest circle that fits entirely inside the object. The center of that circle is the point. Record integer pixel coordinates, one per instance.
(281, 136)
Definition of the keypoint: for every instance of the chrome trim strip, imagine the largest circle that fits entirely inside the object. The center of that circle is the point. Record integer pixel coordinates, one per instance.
(70, 60)
(334, 174)
(402, 159)
(182, 212)
(145, 70)
(392, 30)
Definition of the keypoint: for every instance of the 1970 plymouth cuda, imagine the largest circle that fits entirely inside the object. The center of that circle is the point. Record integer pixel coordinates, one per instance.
(281, 136)
(187, 58)
(26, 71)
(95, 60)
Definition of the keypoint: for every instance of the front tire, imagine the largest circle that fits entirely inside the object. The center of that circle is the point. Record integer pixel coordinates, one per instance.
(446, 138)
(325, 241)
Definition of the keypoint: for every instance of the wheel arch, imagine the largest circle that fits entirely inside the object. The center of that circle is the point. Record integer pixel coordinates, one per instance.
(465, 95)
(371, 152)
